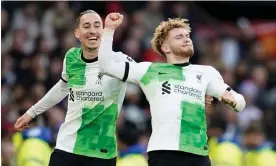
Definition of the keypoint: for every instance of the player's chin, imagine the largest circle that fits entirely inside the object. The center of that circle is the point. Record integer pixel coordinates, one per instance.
(191, 53)
(188, 52)
(92, 46)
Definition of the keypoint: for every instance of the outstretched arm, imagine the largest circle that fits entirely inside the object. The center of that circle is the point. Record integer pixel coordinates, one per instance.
(57, 93)
(54, 96)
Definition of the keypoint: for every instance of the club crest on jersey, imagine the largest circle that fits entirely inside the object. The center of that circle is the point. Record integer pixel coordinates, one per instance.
(199, 78)
(100, 78)
(129, 59)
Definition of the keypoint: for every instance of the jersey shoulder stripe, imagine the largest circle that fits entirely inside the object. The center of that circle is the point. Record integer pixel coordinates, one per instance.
(73, 52)
(75, 67)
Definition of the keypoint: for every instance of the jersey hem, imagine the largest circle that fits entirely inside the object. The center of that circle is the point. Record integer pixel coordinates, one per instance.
(85, 154)
(91, 153)
(186, 149)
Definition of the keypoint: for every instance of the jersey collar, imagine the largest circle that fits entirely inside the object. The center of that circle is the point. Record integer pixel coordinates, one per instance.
(88, 60)
(182, 64)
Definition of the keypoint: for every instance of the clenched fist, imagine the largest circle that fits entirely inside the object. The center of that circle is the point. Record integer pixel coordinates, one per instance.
(113, 21)
(23, 122)
(228, 98)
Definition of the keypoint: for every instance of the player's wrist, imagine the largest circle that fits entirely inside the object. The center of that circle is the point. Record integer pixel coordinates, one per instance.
(31, 113)
(240, 103)
(109, 31)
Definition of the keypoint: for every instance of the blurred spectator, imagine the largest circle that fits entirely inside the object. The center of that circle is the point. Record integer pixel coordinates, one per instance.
(232, 130)
(34, 148)
(151, 19)
(179, 9)
(131, 152)
(7, 150)
(55, 20)
(230, 52)
(228, 153)
(4, 21)
(259, 150)
(131, 111)
(132, 48)
(27, 19)
(251, 112)
(6, 37)
(55, 117)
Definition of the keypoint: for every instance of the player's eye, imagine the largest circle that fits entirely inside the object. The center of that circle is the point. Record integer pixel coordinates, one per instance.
(178, 36)
(97, 25)
(86, 26)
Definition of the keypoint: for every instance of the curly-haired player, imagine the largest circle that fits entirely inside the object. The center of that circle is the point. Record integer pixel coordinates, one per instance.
(175, 91)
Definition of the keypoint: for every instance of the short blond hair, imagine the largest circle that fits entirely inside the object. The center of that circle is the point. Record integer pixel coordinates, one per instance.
(161, 32)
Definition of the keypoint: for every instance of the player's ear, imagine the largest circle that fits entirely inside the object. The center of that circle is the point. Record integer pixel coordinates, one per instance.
(77, 34)
(165, 48)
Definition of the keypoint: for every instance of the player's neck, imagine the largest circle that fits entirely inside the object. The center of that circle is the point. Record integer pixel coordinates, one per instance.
(177, 59)
(88, 54)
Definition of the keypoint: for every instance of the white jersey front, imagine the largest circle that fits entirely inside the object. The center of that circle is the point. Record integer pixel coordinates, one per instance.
(94, 103)
(176, 94)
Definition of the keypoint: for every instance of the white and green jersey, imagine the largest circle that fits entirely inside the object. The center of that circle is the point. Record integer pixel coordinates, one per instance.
(94, 103)
(176, 94)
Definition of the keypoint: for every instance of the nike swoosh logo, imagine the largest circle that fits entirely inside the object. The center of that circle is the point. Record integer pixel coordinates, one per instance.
(162, 73)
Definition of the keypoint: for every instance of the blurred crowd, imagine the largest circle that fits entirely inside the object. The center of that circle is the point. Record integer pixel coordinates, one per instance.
(36, 35)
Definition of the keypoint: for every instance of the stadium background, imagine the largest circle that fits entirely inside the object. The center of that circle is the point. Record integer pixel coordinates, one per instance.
(237, 38)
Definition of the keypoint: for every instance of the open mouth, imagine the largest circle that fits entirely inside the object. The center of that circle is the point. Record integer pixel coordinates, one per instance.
(94, 38)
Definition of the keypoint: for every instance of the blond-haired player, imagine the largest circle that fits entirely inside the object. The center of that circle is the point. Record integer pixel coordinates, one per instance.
(175, 91)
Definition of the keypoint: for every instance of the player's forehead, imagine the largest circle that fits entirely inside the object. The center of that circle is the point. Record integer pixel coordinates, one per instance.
(90, 18)
(178, 31)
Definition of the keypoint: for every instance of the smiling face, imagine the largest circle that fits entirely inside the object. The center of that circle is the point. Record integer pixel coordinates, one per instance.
(178, 42)
(89, 30)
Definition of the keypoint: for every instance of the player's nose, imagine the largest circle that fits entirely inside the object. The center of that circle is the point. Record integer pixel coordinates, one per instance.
(187, 40)
(92, 31)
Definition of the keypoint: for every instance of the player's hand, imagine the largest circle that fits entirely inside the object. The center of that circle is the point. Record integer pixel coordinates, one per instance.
(113, 21)
(23, 122)
(208, 101)
(228, 98)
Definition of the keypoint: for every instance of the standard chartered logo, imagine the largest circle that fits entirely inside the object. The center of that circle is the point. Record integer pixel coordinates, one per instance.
(71, 95)
(88, 96)
(190, 91)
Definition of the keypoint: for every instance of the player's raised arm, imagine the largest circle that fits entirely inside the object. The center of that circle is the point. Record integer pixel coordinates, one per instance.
(217, 88)
(125, 71)
(57, 93)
